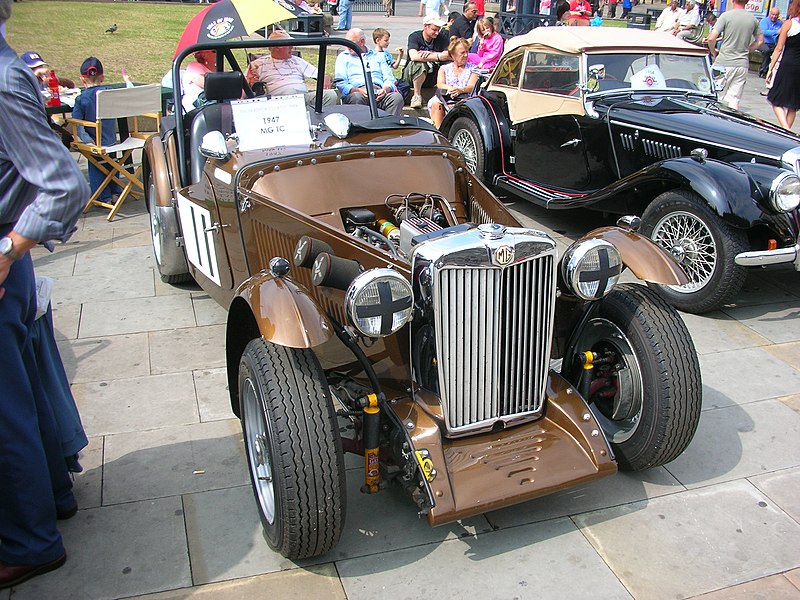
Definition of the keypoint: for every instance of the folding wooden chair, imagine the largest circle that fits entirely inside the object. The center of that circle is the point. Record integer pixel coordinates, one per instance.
(119, 103)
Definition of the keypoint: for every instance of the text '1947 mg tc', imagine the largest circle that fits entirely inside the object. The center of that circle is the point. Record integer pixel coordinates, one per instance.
(370, 278)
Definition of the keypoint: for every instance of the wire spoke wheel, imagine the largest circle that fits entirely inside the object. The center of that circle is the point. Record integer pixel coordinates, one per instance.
(464, 141)
(690, 242)
(703, 244)
(466, 137)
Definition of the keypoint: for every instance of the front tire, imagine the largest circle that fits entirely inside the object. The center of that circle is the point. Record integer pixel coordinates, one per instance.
(464, 135)
(703, 244)
(648, 395)
(293, 448)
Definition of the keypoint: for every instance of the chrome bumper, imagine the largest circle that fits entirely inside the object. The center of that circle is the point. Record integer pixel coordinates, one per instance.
(762, 258)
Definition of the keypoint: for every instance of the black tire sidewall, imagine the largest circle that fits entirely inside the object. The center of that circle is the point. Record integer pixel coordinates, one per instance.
(468, 125)
(728, 278)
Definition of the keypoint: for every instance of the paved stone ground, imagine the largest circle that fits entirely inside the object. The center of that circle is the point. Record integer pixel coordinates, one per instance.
(166, 510)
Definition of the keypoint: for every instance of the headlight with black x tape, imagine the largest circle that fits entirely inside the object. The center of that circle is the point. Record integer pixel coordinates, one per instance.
(379, 302)
(591, 268)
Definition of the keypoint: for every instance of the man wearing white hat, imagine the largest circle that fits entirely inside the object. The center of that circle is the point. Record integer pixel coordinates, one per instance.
(426, 51)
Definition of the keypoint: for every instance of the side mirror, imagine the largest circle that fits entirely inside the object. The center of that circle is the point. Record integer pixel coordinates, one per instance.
(213, 146)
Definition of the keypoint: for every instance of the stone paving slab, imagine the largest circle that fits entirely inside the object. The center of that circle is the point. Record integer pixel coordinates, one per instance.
(115, 317)
(745, 375)
(88, 485)
(535, 562)
(771, 321)
(614, 490)
(213, 400)
(715, 331)
(66, 319)
(170, 461)
(783, 488)
(98, 287)
(318, 582)
(105, 358)
(169, 350)
(776, 587)
(686, 544)
(740, 441)
(140, 403)
(118, 551)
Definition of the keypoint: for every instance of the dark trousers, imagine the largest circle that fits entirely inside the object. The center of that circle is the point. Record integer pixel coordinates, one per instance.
(34, 481)
(766, 54)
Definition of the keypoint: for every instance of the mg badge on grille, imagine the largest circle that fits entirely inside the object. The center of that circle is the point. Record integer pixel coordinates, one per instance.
(504, 255)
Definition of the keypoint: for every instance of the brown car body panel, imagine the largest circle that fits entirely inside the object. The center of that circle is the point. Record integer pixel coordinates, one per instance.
(157, 165)
(493, 470)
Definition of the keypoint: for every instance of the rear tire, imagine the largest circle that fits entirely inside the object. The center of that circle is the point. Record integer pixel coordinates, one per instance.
(170, 259)
(464, 135)
(293, 448)
(703, 244)
(648, 401)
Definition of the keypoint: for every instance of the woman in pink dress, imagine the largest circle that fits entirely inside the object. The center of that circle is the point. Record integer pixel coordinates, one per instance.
(490, 45)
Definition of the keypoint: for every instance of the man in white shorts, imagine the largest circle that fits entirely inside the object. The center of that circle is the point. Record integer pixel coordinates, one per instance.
(741, 34)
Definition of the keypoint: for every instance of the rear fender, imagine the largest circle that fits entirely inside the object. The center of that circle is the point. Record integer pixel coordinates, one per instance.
(156, 163)
(276, 309)
(645, 259)
(485, 116)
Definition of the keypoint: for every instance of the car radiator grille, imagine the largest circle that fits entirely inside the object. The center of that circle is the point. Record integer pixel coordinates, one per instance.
(493, 329)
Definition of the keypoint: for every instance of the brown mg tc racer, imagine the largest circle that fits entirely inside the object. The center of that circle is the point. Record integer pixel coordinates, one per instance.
(370, 277)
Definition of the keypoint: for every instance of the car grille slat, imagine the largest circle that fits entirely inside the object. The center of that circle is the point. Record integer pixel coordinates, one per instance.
(493, 328)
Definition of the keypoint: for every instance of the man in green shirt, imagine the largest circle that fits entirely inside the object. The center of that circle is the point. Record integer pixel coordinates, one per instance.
(741, 34)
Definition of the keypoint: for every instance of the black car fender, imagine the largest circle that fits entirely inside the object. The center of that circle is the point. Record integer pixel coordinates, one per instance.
(493, 127)
(727, 188)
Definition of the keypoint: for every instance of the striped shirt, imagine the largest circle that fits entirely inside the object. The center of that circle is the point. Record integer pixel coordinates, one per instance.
(41, 188)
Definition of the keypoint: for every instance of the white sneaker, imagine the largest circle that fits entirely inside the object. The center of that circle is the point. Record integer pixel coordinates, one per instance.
(416, 101)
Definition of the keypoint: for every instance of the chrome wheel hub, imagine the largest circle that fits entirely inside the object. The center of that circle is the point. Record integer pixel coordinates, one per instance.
(619, 416)
(255, 431)
(691, 243)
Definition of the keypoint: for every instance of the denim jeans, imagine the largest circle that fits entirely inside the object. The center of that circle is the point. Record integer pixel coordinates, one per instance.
(345, 9)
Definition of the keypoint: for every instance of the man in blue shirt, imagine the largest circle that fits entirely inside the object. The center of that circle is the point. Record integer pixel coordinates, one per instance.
(42, 193)
(770, 27)
(350, 76)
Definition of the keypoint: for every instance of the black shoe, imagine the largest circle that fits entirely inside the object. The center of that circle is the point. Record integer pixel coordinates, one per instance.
(11, 575)
(63, 515)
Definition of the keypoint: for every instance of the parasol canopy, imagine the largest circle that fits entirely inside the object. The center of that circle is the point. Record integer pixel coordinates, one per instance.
(235, 18)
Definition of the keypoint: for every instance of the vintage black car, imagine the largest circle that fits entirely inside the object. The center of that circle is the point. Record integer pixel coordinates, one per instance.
(626, 121)
(369, 276)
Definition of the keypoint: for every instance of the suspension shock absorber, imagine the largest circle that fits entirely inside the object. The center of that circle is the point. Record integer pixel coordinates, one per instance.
(371, 441)
(587, 360)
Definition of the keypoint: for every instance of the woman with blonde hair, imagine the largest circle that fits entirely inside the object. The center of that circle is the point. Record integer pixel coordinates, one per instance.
(455, 80)
(784, 95)
(490, 45)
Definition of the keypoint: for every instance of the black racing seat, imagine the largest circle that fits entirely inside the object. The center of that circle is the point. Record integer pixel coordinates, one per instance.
(219, 89)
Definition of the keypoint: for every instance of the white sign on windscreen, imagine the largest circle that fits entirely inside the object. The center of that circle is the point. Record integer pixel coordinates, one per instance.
(270, 122)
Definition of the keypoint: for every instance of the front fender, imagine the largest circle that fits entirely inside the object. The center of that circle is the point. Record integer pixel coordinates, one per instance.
(727, 188)
(644, 258)
(284, 313)
(486, 116)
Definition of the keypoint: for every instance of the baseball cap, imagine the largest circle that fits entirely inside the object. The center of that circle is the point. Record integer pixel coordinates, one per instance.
(433, 20)
(91, 67)
(32, 59)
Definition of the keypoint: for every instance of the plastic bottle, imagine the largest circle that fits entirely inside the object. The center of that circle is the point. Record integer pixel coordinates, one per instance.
(52, 83)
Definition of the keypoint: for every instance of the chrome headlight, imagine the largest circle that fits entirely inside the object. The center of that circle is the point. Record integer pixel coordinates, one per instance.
(784, 193)
(591, 268)
(379, 302)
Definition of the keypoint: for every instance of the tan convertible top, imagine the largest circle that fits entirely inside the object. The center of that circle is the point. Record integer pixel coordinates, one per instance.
(575, 40)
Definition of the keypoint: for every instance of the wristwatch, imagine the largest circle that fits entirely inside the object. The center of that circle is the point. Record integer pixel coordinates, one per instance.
(7, 248)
